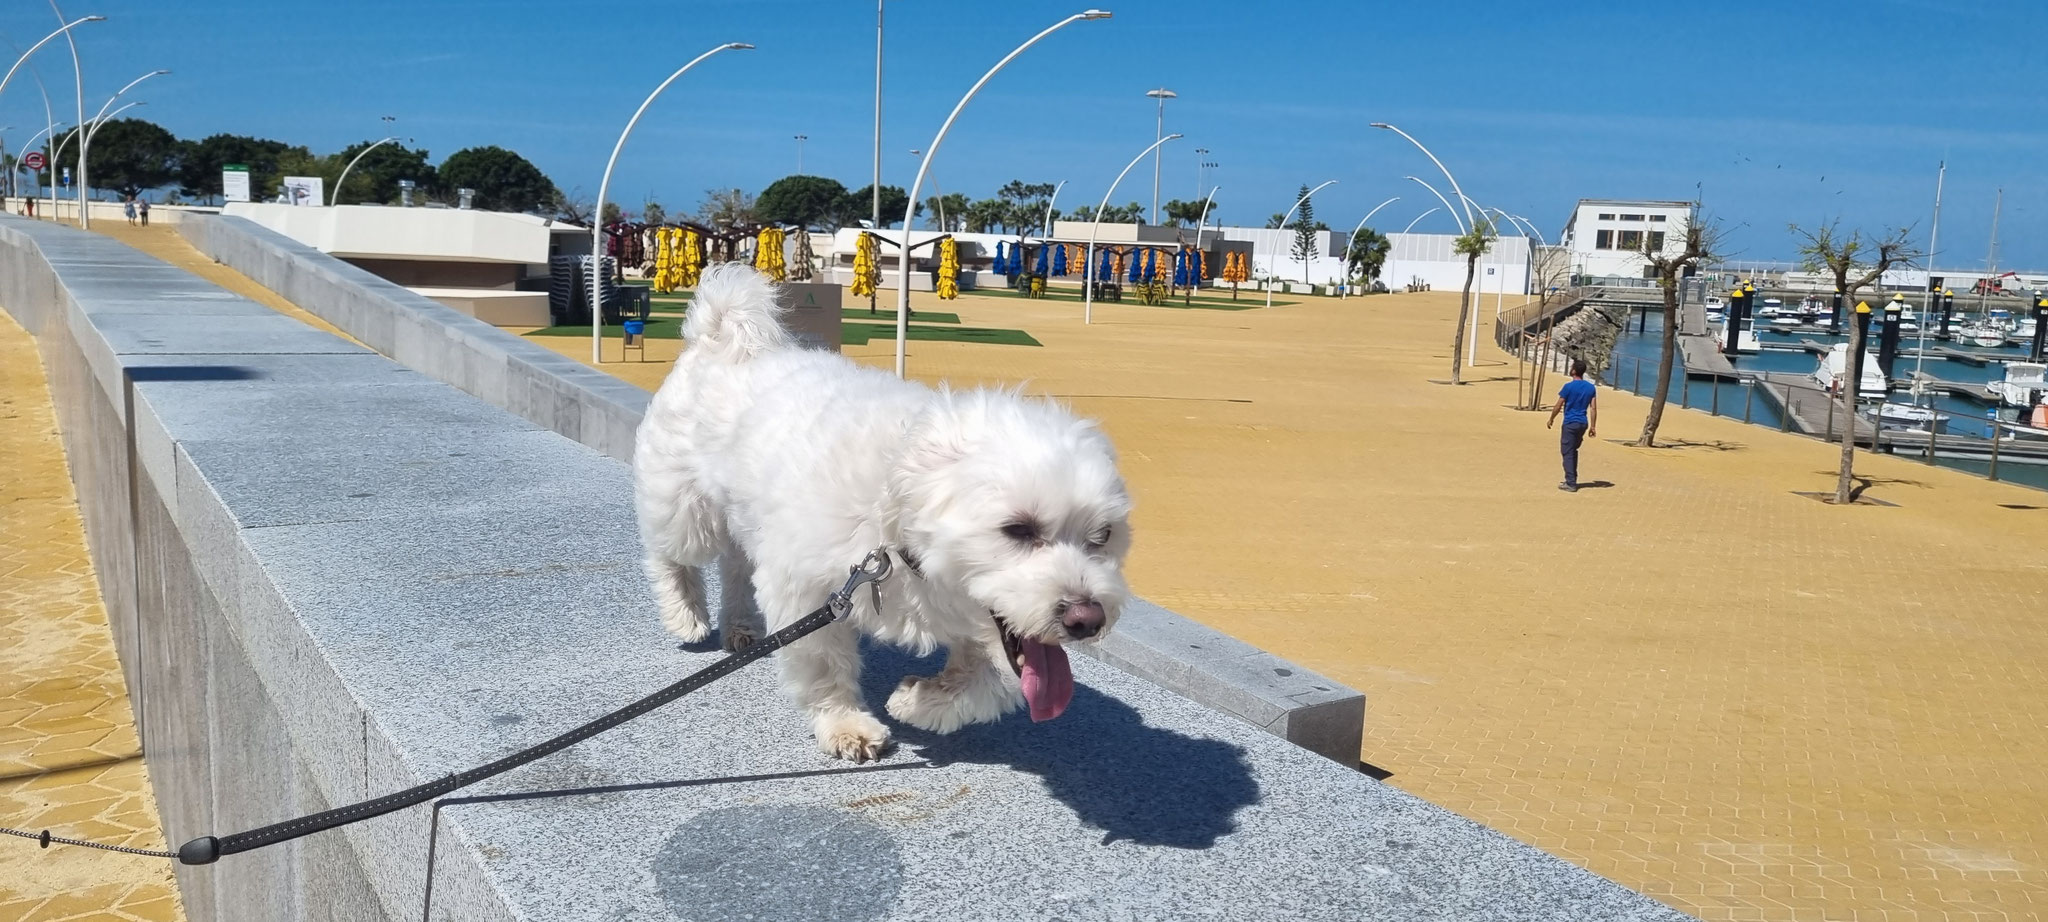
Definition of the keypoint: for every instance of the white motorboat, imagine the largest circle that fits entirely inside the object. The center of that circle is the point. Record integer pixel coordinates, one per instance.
(2025, 384)
(1774, 302)
(1906, 416)
(1834, 366)
(1787, 321)
(1716, 303)
(1716, 317)
(1982, 335)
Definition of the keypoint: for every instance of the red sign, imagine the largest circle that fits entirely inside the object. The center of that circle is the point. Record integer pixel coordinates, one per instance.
(34, 160)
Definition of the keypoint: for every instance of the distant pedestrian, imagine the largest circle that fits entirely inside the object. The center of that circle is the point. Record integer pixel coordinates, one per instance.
(1579, 403)
(143, 208)
(128, 208)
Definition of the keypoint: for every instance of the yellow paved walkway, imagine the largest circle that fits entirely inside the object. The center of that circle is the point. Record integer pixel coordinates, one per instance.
(1743, 702)
(69, 760)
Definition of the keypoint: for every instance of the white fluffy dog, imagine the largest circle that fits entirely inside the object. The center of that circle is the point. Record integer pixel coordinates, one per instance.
(1006, 517)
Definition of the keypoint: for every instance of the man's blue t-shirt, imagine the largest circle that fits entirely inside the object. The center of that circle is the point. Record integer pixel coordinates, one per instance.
(1577, 394)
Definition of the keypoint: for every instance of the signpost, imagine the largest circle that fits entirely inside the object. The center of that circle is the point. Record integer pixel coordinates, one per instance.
(234, 182)
(35, 161)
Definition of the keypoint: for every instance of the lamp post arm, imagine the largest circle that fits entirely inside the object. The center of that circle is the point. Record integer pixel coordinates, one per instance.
(1048, 206)
(1462, 229)
(335, 199)
(1204, 219)
(1432, 159)
(1095, 229)
(1418, 218)
(917, 184)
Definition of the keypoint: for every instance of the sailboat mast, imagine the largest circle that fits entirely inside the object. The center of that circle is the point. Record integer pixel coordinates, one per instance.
(1933, 290)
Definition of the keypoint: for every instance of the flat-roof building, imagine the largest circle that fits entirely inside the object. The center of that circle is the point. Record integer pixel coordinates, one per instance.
(1607, 238)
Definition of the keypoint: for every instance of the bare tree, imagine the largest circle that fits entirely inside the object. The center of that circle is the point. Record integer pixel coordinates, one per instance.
(1855, 261)
(1472, 245)
(1549, 264)
(1695, 249)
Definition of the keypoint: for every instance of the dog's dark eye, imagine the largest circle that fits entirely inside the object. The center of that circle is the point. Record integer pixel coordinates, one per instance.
(1099, 538)
(1021, 531)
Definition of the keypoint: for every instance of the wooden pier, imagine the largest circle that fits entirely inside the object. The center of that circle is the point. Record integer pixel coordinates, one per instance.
(1811, 411)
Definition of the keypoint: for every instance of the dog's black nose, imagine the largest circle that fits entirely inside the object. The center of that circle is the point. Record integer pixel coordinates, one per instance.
(1083, 618)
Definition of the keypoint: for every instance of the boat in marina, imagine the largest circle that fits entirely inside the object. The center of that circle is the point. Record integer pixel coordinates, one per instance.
(2025, 385)
(1834, 367)
(1981, 334)
(1716, 316)
(1908, 417)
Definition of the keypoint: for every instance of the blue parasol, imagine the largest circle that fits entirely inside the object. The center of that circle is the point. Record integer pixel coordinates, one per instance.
(1059, 260)
(1043, 258)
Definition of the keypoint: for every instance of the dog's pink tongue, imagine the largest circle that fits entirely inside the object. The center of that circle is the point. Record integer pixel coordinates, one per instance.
(1048, 683)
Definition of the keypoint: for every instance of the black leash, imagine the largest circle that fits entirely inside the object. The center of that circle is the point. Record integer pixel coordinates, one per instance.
(208, 849)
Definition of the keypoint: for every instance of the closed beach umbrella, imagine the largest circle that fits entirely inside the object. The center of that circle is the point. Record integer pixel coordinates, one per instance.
(1017, 259)
(1059, 260)
(1137, 268)
(998, 265)
(1043, 257)
(1103, 273)
(1180, 268)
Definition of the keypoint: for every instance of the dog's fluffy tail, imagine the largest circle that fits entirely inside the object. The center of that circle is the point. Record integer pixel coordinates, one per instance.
(735, 315)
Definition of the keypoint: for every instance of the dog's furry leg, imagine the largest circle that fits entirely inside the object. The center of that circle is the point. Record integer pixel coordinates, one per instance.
(739, 621)
(970, 690)
(822, 672)
(679, 590)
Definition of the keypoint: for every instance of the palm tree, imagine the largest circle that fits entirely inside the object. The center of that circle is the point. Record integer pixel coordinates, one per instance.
(1472, 245)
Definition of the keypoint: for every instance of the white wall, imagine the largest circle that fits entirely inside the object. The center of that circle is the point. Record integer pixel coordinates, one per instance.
(1432, 259)
(378, 232)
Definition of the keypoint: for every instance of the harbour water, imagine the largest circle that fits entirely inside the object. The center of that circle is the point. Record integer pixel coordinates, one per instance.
(1634, 368)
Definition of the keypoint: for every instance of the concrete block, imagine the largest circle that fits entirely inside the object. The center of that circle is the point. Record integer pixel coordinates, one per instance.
(254, 785)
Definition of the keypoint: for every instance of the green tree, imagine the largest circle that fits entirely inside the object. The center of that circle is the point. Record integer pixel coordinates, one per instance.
(129, 155)
(653, 213)
(611, 213)
(858, 205)
(199, 167)
(1186, 214)
(1472, 245)
(1304, 249)
(806, 201)
(985, 215)
(1023, 205)
(1854, 261)
(503, 180)
(953, 205)
(375, 177)
(1366, 255)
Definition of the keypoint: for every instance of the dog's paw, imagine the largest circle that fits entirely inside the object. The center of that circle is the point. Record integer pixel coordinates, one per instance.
(853, 735)
(928, 703)
(737, 638)
(692, 628)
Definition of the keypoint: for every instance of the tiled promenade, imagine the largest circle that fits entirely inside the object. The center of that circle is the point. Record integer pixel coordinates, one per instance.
(1743, 702)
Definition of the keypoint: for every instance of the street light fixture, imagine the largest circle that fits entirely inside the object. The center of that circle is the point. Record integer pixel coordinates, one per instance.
(1283, 226)
(1204, 219)
(1095, 228)
(800, 139)
(62, 30)
(604, 186)
(1048, 206)
(1201, 156)
(1158, 131)
(1433, 209)
(85, 147)
(917, 184)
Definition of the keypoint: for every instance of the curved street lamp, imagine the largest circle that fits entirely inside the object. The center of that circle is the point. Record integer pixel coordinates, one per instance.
(334, 198)
(903, 263)
(604, 186)
(1283, 226)
(1204, 219)
(1433, 209)
(85, 147)
(62, 30)
(78, 97)
(97, 124)
(1095, 227)
(1048, 206)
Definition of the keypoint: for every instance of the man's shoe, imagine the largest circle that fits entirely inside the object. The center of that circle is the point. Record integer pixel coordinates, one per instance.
(1568, 488)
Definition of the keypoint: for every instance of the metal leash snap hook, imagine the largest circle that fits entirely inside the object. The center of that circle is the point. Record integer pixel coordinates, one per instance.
(872, 570)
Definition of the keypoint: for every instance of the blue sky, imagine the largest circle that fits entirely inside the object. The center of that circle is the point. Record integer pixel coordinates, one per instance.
(1776, 112)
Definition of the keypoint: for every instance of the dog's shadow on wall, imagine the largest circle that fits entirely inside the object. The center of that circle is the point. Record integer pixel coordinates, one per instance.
(1134, 782)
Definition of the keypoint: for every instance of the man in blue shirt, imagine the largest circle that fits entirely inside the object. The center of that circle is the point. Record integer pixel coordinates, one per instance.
(1581, 418)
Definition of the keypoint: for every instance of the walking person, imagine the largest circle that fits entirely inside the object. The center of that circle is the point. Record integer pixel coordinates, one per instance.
(142, 207)
(128, 208)
(1579, 403)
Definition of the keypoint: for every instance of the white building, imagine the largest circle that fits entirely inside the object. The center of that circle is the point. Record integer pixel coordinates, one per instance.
(1431, 260)
(1273, 253)
(1606, 238)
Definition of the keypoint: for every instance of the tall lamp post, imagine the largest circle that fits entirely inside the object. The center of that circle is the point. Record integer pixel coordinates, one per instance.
(1349, 241)
(1283, 226)
(1095, 227)
(1048, 206)
(1204, 219)
(938, 203)
(1201, 155)
(604, 186)
(78, 97)
(800, 139)
(1158, 132)
(916, 185)
(335, 197)
(876, 186)
(65, 29)
(85, 148)
(1461, 197)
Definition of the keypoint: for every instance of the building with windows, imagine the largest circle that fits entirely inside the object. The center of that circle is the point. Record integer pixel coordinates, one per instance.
(1606, 238)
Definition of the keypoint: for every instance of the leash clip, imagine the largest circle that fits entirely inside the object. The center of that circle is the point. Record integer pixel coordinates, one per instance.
(872, 570)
